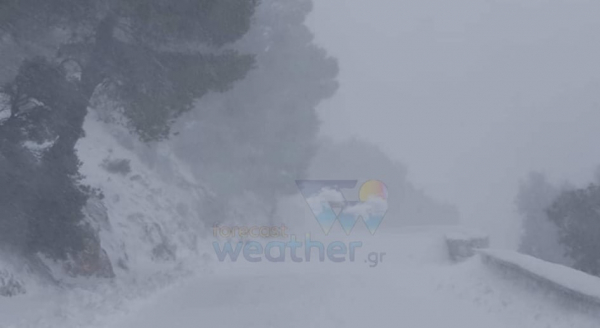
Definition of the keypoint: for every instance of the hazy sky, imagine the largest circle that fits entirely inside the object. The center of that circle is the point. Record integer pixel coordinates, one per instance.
(471, 95)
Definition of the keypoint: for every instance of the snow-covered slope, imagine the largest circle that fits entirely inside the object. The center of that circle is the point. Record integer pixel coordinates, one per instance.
(150, 200)
(149, 223)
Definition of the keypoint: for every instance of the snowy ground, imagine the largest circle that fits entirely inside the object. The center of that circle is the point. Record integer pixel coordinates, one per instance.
(414, 286)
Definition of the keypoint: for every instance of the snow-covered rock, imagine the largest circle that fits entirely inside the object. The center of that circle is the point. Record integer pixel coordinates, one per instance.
(147, 208)
(462, 242)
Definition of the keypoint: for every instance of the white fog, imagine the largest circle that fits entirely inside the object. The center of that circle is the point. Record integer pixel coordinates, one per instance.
(299, 163)
(470, 95)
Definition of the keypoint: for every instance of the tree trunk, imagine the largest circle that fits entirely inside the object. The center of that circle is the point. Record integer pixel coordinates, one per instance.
(52, 199)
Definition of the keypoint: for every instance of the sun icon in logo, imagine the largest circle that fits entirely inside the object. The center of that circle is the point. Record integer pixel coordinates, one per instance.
(373, 189)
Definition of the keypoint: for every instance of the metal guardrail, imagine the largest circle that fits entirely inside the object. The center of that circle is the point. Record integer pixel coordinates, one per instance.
(462, 245)
(573, 297)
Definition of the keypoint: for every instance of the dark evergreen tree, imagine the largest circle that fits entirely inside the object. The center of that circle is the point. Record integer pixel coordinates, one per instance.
(40, 188)
(261, 136)
(576, 213)
(153, 57)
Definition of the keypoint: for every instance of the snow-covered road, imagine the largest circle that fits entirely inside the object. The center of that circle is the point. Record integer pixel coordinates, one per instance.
(415, 286)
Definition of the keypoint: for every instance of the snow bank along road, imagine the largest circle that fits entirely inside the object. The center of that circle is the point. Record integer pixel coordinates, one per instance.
(414, 286)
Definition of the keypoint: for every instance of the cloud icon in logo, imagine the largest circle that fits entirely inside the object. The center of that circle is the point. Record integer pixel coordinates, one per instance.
(328, 204)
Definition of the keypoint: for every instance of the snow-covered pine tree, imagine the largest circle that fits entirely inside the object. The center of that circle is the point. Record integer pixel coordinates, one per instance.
(153, 57)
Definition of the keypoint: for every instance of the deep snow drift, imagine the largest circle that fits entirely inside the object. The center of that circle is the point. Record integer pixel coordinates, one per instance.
(415, 286)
